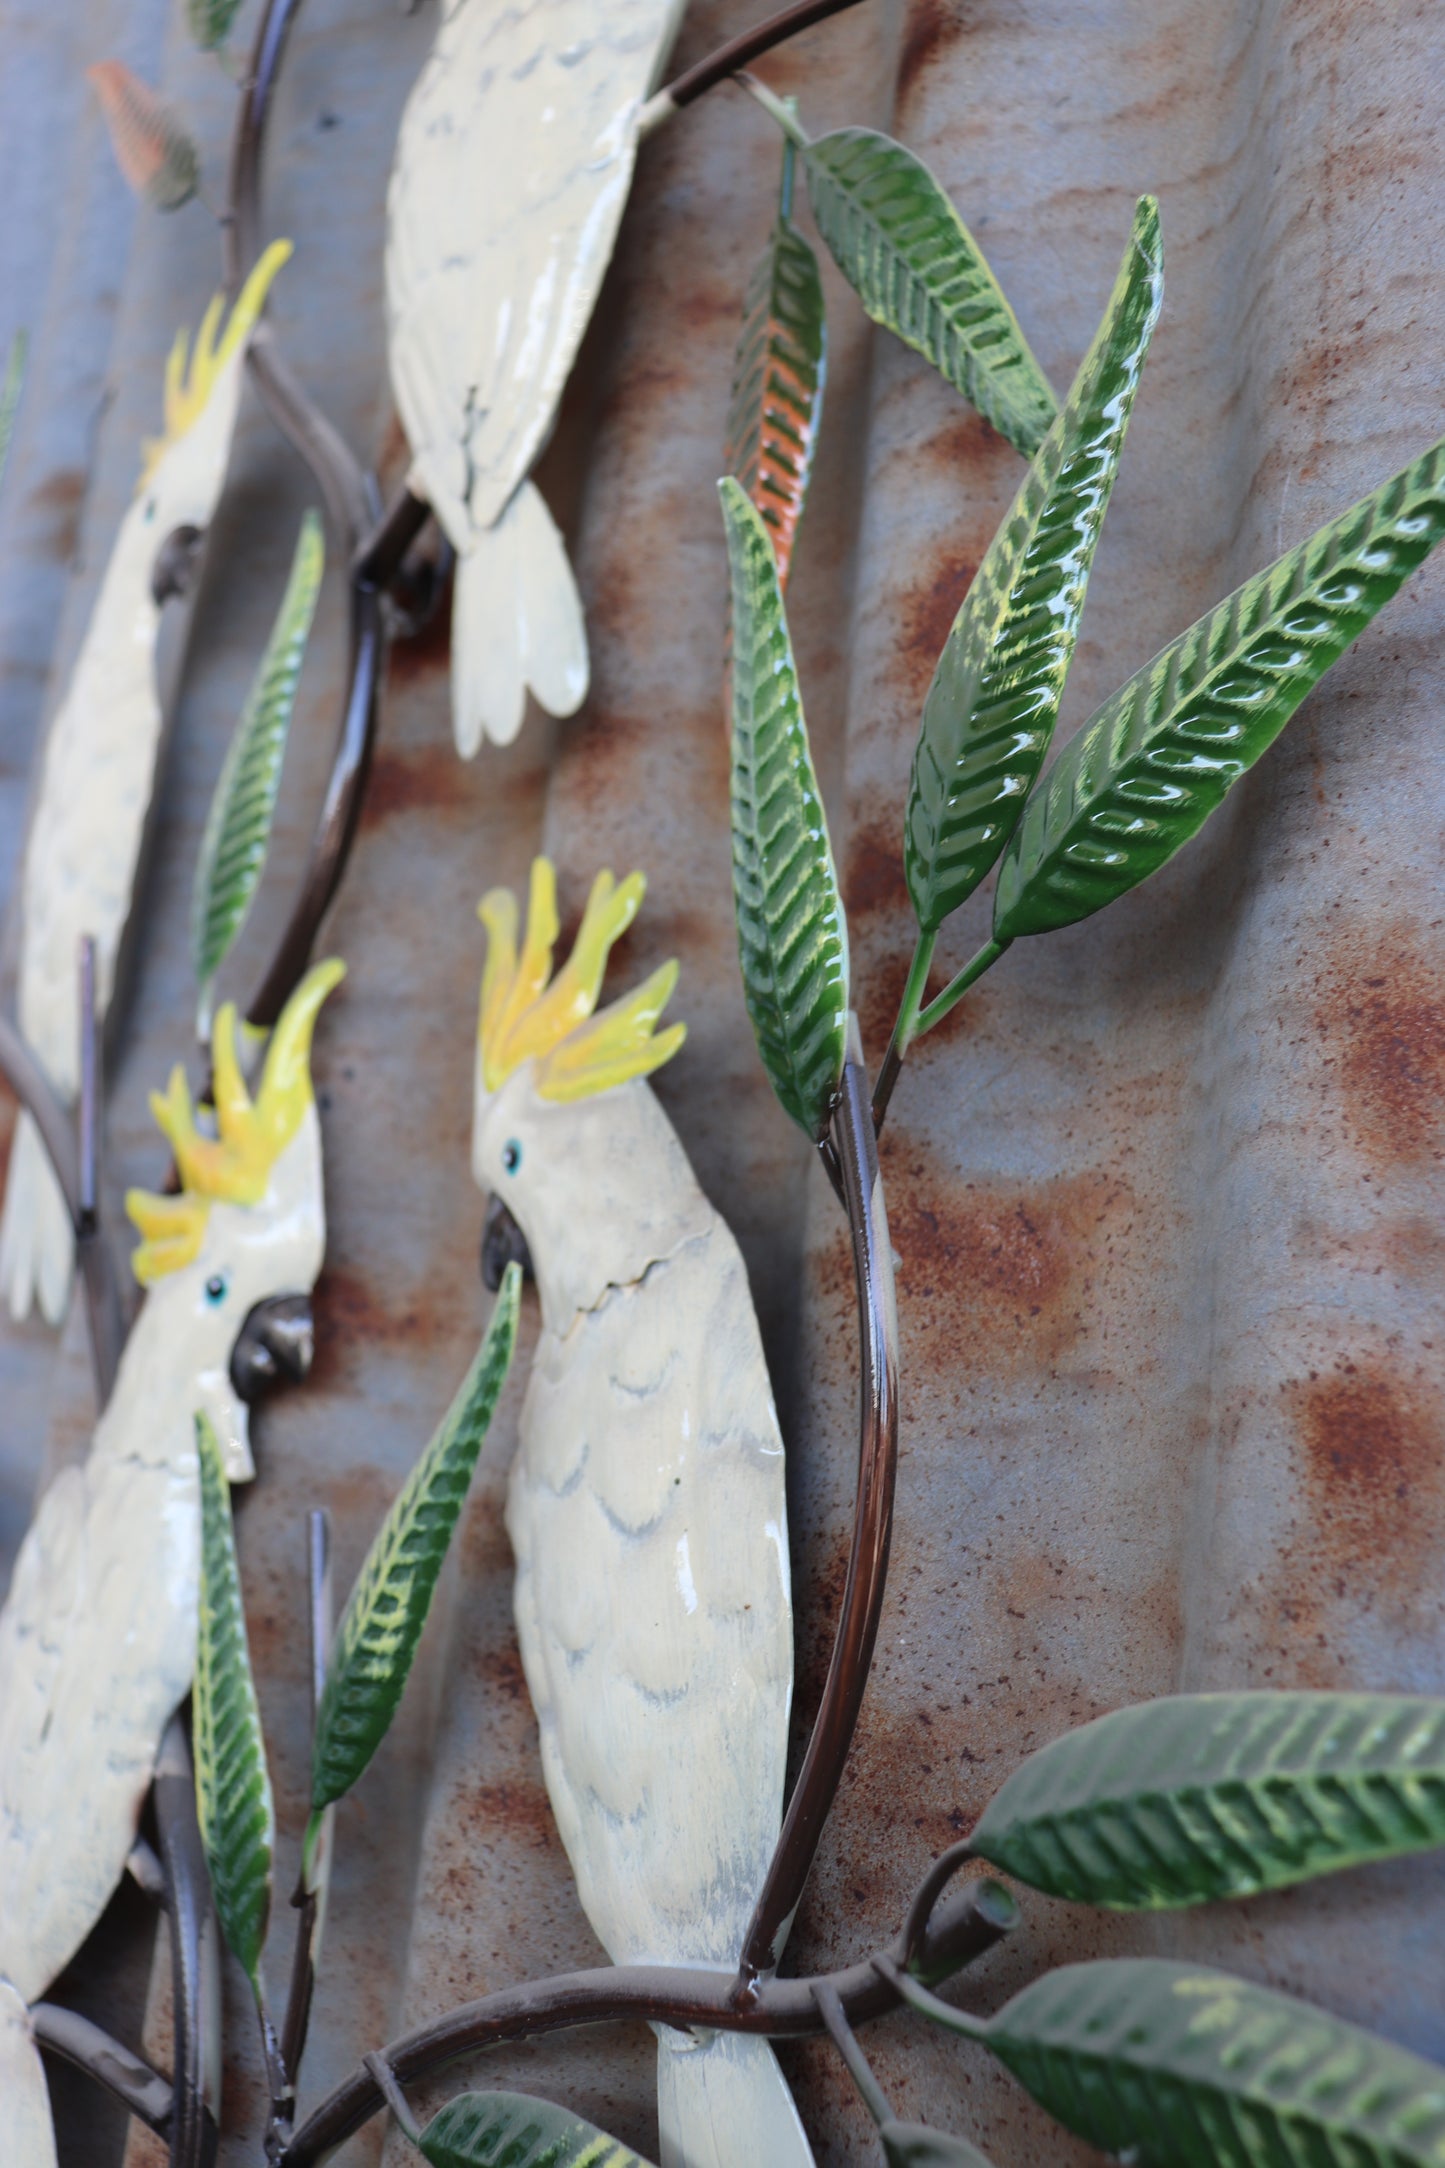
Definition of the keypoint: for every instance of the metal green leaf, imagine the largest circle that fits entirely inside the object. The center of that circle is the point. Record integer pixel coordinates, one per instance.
(211, 21)
(238, 826)
(153, 148)
(994, 700)
(10, 388)
(510, 2130)
(913, 2145)
(1199, 1796)
(386, 1611)
(792, 935)
(919, 272)
(1158, 757)
(1174, 2067)
(233, 1789)
(778, 373)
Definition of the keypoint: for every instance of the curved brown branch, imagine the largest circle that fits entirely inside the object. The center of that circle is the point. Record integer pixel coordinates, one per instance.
(195, 1957)
(123, 2074)
(822, 1770)
(738, 51)
(657, 1994)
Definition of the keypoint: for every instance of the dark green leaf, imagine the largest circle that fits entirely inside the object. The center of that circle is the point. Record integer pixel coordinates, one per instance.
(238, 826)
(233, 1790)
(508, 2130)
(1160, 754)
(10, 386)
(387, 1609)
(778, 372)
(912, 2145)
(918, 271)
(994, 700)
(211, 21)
(792, 936)
(1175, 2067)
(1217, 1795)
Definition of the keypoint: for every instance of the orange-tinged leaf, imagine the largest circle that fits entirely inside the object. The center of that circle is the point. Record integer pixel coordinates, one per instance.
(152, 148)
(778, 374)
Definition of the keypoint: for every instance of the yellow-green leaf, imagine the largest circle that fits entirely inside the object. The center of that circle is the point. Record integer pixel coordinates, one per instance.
(510, 2130)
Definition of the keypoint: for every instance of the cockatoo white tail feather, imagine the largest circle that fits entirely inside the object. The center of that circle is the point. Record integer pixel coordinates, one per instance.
(98, 769)
(29, 2135)
(646, 1506)
(516, 625)
(512, 170)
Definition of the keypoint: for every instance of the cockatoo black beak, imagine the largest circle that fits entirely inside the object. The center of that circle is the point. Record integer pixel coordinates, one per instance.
(503, 1244)
(276, 1341)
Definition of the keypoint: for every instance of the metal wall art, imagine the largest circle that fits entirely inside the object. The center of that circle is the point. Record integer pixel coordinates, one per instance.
(646, 1503)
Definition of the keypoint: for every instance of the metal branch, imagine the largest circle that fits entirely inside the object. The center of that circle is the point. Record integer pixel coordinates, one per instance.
(859, 2069)
(195, 1957)
(837, 1716)
(309, 1902)
(973, 1924)
(726, 61)
(124, 2074)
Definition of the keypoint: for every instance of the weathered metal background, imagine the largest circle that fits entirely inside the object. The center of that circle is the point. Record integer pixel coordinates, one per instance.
(1167, 1195)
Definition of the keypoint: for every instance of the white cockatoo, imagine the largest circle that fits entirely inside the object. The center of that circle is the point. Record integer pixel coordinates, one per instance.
(98, 1631)
(646, 1507)
(98, 769)
(512, 170)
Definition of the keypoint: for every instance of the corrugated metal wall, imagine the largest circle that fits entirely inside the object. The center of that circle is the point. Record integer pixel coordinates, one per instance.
(1166, 1194)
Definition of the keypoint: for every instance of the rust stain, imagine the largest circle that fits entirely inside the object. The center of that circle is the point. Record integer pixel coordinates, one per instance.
(931, 28)
(926, 620)
(1367, 1447)
(421, 779)
(1388, 1027)
(515, 1807)
(426, 653)
(873, 878)
(62, 494)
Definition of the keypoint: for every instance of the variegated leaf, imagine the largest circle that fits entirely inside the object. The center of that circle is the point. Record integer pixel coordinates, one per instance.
(778, 374)
(994, 700)
(10, 388)
(1145, 774)
(792, 935)
(1174, 2067)
(211, 21)
(510, 2130)
(386, 1611)
(153, 149)
(1200, 1796)
(233, 1789)
(238, 826)
(919, 272)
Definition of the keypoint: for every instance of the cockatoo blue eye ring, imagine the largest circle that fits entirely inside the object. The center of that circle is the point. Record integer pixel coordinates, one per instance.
(216, 1290)
(511, 1156)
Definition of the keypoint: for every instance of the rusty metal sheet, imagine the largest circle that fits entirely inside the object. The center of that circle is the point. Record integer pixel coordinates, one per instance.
(1166, 1193)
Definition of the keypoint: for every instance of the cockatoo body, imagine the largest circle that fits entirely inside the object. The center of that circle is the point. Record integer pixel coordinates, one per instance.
(512, 170)
(97, 772)
(646, 1506)
(98, 1630)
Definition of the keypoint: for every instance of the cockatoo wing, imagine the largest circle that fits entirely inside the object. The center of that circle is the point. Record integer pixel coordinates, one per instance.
(29, 2134)
(648, 1517)
(512, 169)
(97, 1647)
(97, 773)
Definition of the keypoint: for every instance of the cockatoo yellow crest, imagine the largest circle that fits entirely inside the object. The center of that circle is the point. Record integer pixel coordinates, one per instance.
(236, 1164)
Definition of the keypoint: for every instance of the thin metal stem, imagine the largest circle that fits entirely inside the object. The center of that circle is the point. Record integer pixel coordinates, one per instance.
(385, 2080)
(837, 1717)
(735, 54)
(957, 987)
(307, 1901)
(782, 110)
(658, 1994)
(918, 1998)
(124, 2074)
(904, 1028)
(841, 2033)
(195, 1961)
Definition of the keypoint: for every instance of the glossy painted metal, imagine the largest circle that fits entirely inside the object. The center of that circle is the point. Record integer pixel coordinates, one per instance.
(512, 170)
(1126, 1181)
(646, 1505)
